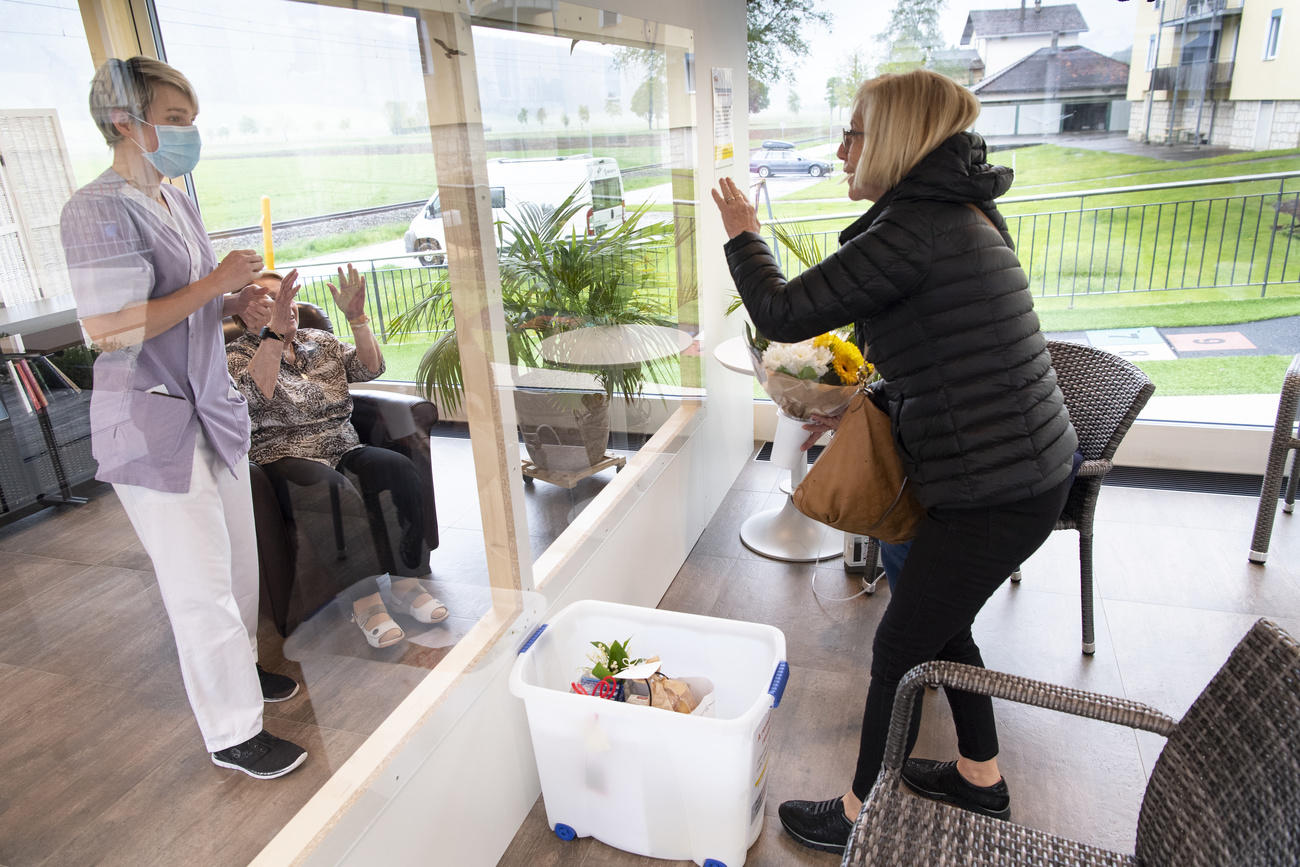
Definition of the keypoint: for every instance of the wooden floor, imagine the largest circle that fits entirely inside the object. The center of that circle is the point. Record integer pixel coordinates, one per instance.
(100, 758)
(101, 762)
(1176, 594)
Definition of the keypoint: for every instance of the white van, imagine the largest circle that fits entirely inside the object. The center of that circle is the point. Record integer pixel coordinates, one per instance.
(543, 181)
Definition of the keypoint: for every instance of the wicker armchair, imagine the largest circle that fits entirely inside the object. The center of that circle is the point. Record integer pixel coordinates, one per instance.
(1103, 394)
(1222, 792)
(1285, 443)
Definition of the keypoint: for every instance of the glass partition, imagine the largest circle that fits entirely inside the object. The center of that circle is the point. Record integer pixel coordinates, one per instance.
(504, 206)
(1155, 154)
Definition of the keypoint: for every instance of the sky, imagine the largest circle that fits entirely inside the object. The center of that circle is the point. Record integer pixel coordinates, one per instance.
(302, 68)
(856, 24)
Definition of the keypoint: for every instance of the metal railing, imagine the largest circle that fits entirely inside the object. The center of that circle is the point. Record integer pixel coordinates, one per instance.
(1105, 243)
(1194, 77)
(394, 284)
(1109, 243)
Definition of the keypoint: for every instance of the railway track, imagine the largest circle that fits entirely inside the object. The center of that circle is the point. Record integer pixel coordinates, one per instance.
(312, 221)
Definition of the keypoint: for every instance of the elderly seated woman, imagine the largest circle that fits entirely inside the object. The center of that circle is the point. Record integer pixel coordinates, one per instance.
(296, 382)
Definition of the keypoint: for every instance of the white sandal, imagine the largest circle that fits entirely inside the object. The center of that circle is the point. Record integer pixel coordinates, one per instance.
(384, 634)
(423, 606)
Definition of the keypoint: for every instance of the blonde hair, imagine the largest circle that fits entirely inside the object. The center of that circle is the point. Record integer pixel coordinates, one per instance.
(128, 85)
(904, 117)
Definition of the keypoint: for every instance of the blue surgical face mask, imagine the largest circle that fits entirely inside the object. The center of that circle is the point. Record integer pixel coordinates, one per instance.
(178, 149)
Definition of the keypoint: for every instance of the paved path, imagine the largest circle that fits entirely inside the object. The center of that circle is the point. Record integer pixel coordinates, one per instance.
(1112, 142)
(1266, 337)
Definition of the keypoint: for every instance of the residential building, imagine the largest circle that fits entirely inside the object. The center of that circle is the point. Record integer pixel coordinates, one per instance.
(1004, 36)
(1217, 72)
(1053, 90)
(960, 64)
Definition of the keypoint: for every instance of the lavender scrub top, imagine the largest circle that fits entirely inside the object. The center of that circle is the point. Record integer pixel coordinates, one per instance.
(151, 399)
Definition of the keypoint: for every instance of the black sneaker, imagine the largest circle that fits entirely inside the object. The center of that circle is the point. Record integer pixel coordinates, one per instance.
(817, 824)
(941, 782)
(263, 756)
(276, 687)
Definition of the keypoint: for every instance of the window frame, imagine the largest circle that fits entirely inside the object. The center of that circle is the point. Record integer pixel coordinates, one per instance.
(1273, 35)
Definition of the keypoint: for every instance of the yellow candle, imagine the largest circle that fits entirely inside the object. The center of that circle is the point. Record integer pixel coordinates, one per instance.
(268, 251)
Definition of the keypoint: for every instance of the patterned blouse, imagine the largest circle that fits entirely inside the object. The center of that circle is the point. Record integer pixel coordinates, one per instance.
(309, 413)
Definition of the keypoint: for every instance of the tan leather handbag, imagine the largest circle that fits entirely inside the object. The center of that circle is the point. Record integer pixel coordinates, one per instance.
(857, 484)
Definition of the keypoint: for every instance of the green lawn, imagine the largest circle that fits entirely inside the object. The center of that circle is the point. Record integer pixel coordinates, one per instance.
(1238, 374)
(1042, 169)
(344, 241)
(312, 182)
(1205, 236)
(1118, 314)
(306, 181)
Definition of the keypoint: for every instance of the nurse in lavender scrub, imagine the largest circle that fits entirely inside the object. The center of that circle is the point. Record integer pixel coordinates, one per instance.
(169, 430)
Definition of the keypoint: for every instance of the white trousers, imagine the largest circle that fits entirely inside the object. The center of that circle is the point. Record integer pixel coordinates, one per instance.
(204, 551)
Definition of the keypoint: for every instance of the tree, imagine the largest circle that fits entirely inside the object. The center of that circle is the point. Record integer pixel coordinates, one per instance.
(564, 119)
(584, 115)
(522, 117)
(395, 115)
(858, 70)
(833, 87)
(758, 98)
(775, 29)
(649, 101)
(613, 107)
(247, 125)
(792, 101)
(911, 38)
(540, 114)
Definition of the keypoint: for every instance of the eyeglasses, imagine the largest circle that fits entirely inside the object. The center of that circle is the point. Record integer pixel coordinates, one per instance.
(850, 135)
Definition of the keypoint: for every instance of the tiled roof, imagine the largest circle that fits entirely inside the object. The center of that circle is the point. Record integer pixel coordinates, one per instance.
(1050, 70)
(1022, 21)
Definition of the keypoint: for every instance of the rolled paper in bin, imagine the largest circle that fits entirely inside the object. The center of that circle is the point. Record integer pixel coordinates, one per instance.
(785, 445)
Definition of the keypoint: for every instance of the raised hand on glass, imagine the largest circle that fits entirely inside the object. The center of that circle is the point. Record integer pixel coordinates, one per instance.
(818, 425)
(350, 294)
(738, 215)
(284, 313)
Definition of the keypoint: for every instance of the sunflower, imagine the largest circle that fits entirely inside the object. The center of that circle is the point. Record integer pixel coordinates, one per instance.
(846, 360)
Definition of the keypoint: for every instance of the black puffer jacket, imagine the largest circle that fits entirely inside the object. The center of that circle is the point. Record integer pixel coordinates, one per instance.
(944, 307)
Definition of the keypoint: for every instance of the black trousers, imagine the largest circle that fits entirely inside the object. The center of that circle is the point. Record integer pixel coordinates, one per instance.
(959, 557)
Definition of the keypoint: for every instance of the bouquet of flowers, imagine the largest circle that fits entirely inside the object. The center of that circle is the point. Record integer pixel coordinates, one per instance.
(813, 376)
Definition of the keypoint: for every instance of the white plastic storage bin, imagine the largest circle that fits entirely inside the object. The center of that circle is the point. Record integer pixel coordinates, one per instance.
(643, 779)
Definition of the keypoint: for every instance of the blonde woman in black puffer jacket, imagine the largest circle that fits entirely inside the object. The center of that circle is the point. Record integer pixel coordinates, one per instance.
(929, 279)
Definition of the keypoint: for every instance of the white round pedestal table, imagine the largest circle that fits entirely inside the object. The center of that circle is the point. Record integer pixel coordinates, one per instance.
(785, 533)
(614, 345)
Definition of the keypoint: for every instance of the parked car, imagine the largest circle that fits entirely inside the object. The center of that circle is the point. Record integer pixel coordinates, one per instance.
(775, 161)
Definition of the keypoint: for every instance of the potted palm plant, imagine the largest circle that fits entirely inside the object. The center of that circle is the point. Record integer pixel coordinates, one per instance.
(555, 281)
